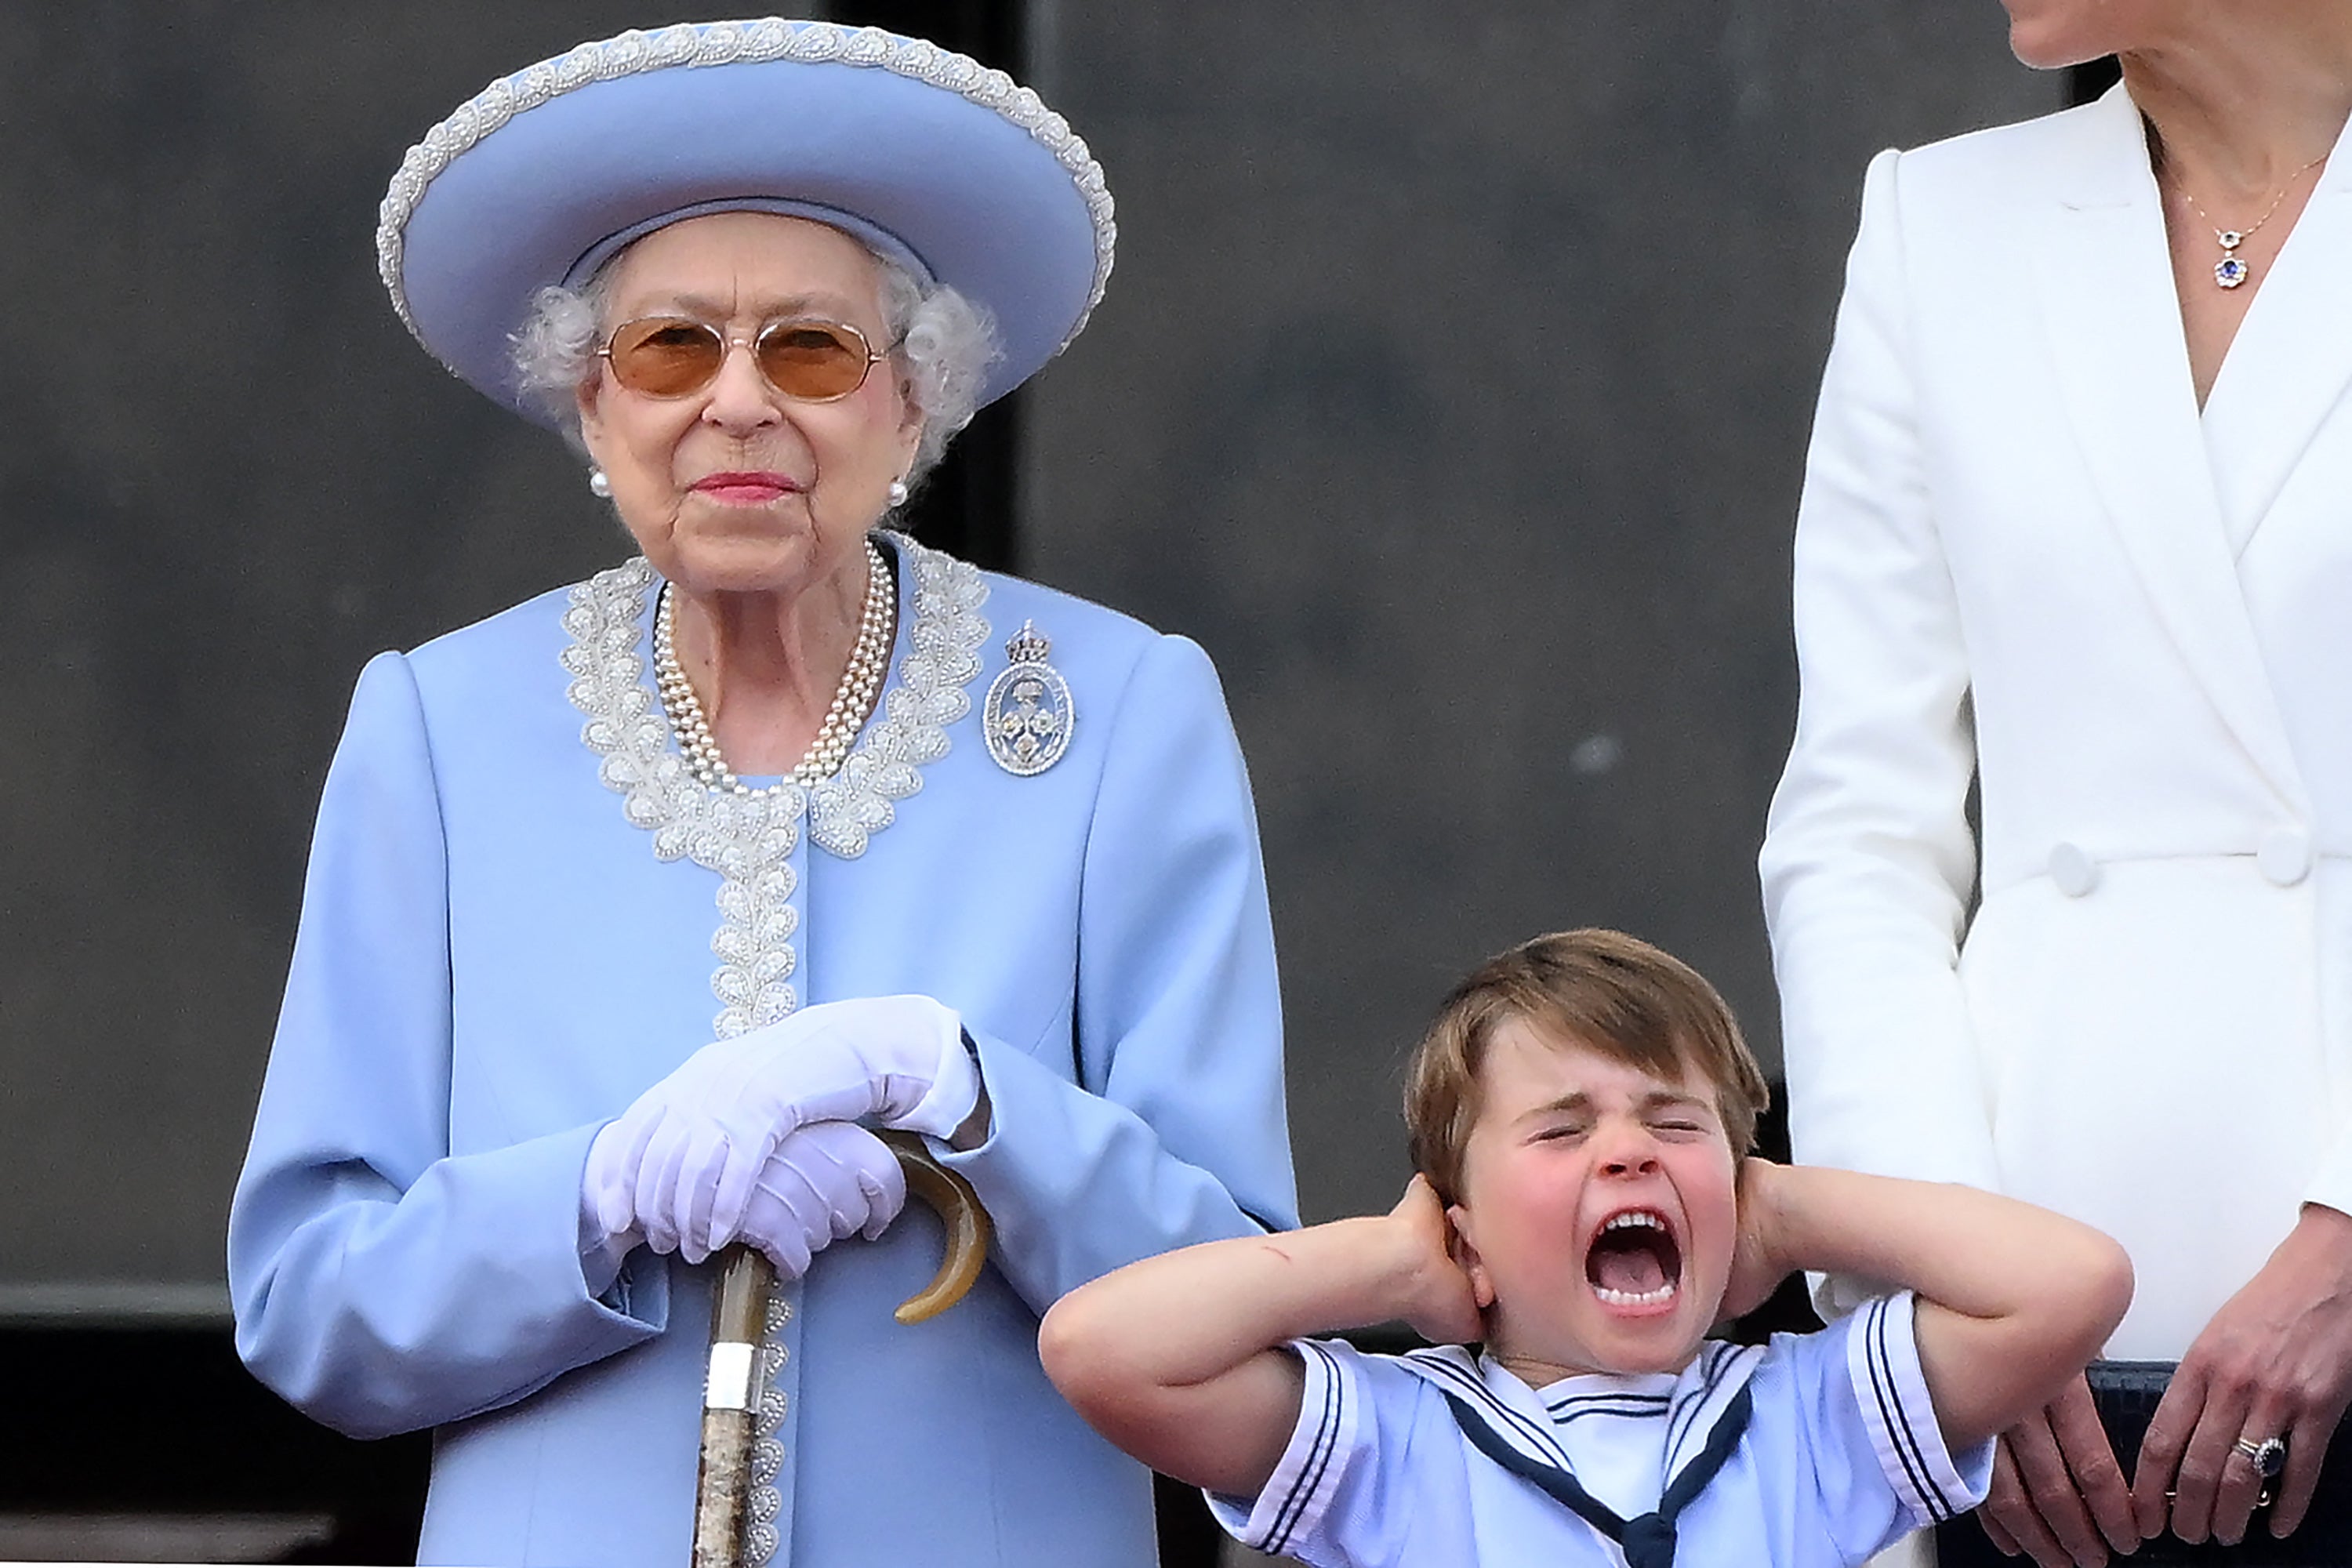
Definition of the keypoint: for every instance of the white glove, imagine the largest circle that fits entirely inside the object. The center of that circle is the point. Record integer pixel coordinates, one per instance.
(681, 1162)
(823, 1183)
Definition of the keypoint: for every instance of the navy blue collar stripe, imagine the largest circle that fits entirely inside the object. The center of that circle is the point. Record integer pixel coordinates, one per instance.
(1889, 1396)
(1647, 1541)
(1722, 1360)
(1564, 1417)
(1446, 1370)
(1687, 1408)
(1319, 1457)
(1657, 1402)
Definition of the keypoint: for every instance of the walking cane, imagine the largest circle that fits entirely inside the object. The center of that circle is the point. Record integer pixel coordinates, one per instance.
(739, 1317)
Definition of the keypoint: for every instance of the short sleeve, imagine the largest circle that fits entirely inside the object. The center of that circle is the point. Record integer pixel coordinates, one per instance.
(1337, 1495)
(1879, 1463)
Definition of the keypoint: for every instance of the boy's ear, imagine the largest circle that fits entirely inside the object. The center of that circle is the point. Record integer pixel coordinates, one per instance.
(1464, 1250)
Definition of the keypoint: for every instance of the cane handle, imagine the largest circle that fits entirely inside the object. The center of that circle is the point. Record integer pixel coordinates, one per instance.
(949, 1196)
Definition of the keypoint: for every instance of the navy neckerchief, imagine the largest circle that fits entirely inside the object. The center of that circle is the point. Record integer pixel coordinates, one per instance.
(1647, 1541)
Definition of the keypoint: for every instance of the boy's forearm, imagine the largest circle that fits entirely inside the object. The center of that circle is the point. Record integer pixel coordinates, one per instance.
(1187, 1315)
(1974, 1252)
(2014, 1299)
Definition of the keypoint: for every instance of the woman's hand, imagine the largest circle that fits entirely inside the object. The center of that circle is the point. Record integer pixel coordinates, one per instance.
(1757, 1269)
(2058, 1494)
(1441, 1305)
(680, 1163)
(2275, 1362)
(823, 1184)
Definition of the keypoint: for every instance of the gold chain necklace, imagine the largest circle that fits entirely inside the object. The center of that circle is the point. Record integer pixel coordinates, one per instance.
(2233, 270)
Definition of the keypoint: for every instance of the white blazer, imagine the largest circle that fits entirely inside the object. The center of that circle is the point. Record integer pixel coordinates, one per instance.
(2023, 557)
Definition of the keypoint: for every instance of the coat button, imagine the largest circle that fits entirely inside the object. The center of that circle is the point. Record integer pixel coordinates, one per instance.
(2072, 867)
(2285, 856)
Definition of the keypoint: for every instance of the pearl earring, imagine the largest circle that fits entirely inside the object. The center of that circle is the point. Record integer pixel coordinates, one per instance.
(898, 493)
(598, 485)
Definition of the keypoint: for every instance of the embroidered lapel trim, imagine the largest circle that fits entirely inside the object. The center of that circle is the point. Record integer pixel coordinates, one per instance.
(942, 639)
(749, 839)
(941, 635)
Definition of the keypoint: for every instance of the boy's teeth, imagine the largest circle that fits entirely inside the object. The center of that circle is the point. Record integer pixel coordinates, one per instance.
(1633, 1218)
(1635, 1299)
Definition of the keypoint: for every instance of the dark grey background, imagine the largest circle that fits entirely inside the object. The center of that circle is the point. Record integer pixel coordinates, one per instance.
(1451, 390)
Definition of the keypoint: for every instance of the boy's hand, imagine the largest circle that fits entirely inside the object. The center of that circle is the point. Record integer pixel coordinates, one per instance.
(1757, 1269)
(1442, 1307)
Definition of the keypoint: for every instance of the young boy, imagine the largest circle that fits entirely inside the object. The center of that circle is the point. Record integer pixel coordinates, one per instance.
(1579, 1116)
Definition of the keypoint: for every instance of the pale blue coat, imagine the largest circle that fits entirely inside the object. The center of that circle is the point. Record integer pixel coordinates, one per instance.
(493, 961)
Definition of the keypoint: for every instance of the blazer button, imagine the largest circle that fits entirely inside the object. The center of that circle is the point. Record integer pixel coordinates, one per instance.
(2285, 856)
(2073, 870)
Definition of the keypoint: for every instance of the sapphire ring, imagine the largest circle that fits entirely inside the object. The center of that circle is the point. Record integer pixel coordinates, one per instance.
(2268, 1457)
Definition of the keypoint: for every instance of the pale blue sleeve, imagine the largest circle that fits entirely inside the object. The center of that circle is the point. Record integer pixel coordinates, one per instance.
(1173, 1132)
(1869, 1433)
(380, 1283)
(1343, 1494)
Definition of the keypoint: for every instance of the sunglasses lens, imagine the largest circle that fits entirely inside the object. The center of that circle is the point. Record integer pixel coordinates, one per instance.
(813, 360)
(664, 357)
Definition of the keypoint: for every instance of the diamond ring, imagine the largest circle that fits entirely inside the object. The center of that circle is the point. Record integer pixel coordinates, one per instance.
(2268, 1457)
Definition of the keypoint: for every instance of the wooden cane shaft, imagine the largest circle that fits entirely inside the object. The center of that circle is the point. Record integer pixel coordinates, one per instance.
(731, 1403)
(739, 1319)
(723, 1491)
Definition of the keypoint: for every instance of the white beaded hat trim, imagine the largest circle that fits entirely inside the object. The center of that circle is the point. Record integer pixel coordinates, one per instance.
(736, 43)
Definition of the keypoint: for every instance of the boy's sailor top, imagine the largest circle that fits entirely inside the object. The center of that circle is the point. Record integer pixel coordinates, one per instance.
(1839, 1456)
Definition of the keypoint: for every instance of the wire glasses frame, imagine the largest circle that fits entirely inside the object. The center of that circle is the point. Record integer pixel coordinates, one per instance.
(808, 361)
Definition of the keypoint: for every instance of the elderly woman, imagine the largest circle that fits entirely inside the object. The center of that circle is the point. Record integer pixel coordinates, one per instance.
(631, 910)
(2074, 528)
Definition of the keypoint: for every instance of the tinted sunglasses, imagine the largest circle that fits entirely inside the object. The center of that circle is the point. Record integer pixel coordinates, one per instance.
(676, 356)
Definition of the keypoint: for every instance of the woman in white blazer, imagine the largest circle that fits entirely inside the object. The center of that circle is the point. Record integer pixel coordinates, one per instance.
(2077, 526)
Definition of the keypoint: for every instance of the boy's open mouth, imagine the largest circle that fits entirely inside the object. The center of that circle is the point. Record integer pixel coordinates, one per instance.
(1634, 1260)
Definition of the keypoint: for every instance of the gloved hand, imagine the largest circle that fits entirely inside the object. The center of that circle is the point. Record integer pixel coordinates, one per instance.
(681, 1162)
(823, 1183)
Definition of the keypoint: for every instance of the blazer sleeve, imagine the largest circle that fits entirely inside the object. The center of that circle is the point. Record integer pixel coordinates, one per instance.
(1174, 1131)
(1868, 858)
(380, 1283)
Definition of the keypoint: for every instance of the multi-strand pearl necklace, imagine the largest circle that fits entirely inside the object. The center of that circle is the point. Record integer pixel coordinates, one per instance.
(869, 660)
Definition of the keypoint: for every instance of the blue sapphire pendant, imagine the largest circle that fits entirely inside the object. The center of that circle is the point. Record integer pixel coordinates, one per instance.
(2230, 271)
(1028, 712)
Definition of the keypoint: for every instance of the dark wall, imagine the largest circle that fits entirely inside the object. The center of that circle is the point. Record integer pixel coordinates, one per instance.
(228, 477)
(1451, 390)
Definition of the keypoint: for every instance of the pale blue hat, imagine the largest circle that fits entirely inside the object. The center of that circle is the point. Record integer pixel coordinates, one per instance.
(933, 160)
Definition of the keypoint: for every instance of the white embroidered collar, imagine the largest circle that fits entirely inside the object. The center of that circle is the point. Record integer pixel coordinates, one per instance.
(748, 839)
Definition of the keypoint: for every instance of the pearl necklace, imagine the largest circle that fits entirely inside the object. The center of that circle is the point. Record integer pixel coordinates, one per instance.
(869, 660)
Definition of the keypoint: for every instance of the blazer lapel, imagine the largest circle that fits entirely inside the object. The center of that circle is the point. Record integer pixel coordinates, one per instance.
(2114, 323)
(2292, 362)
